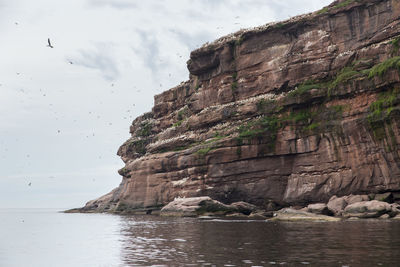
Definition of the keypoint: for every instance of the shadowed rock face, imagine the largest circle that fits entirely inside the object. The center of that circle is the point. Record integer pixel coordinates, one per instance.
(288, 113)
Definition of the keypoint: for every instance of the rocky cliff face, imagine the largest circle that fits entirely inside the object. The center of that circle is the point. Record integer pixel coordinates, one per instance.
(287, 113)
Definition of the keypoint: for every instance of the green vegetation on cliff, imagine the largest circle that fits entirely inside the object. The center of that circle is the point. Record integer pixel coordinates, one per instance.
(382, 68)
(259, 128)
(307, 86)
(379, 118)
(383, 106)
(145, 129)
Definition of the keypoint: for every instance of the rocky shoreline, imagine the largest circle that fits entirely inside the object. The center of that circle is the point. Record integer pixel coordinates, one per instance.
(379, 206)
(352, 206)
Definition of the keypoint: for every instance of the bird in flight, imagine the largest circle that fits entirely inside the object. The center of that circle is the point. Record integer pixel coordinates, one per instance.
(49, 43)
(29, 184)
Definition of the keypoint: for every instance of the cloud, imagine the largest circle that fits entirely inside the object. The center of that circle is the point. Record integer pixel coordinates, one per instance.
(119, 4)
(149, 52)
(192, 40)
(101, 59)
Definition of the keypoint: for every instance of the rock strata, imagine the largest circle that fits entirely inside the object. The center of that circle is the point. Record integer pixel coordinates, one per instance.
(288, 113)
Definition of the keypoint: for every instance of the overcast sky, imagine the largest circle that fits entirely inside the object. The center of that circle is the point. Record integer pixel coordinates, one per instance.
(64, 111)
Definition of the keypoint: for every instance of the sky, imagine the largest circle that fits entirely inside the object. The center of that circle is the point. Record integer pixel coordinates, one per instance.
(64, 111)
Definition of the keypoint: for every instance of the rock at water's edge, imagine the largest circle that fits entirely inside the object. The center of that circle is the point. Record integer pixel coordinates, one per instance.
(319, 208)
(195, 206)
(337, 205)
(367, 209)
(292, 215)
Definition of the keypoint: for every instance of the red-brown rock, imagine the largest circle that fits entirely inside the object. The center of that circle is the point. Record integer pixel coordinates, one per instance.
(288, 113)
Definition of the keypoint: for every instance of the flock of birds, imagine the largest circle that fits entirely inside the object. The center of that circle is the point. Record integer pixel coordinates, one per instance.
(50, 45)
(130, 116)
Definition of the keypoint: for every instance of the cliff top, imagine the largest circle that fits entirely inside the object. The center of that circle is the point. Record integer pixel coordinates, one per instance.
(335, 7)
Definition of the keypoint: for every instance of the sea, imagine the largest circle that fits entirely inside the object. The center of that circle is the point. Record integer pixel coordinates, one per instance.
(47, 237)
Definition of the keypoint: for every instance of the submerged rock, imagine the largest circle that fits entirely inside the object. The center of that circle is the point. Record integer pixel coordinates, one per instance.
(292, 215)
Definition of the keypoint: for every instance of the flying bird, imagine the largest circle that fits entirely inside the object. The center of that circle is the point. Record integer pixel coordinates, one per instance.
(49, 43)
(29, 184)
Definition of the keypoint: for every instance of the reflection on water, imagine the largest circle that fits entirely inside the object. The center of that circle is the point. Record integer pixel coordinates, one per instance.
(46, 238)
(192, 242)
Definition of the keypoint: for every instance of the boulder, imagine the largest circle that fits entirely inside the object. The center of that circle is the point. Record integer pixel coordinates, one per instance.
(195, 206)
(319, 208)
(351, 199)
(289, 214)
(367, 209)
(395, 209)
(273, 206)
(336, 205)
(385, 216)
(243, 207)
(260, 214)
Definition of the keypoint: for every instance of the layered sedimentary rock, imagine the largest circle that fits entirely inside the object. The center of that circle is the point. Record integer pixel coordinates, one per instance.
(287, 113)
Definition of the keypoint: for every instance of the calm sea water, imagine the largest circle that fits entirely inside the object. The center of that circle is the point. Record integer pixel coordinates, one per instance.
(48, 238)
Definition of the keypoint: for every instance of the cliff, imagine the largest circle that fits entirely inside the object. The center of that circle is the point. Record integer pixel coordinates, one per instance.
(288, 113)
